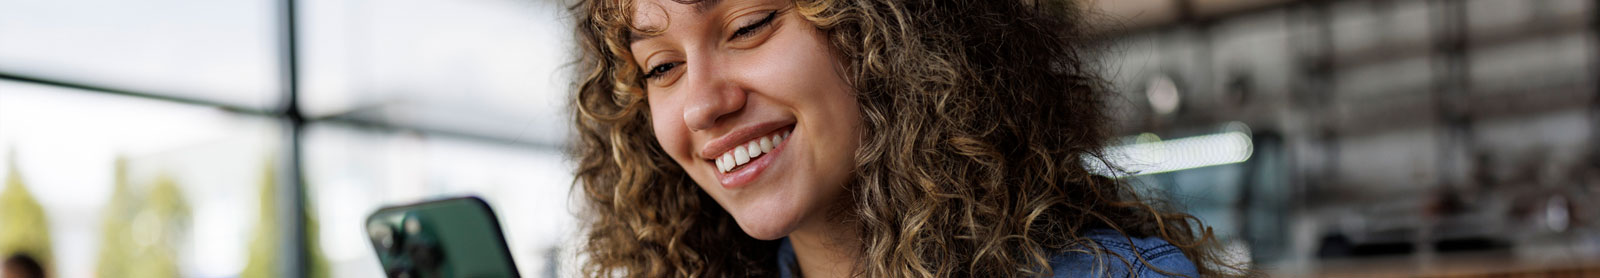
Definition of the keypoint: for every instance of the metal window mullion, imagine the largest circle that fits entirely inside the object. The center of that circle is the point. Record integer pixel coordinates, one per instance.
(294, 260)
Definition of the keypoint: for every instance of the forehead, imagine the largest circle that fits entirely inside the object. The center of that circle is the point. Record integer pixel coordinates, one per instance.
(652, 14)
(653, 11)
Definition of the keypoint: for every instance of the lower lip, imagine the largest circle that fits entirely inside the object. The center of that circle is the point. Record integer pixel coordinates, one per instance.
(747, 174)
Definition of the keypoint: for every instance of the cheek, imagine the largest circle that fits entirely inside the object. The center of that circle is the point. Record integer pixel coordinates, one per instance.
(814, 85)
(670, 131)
(801, 71)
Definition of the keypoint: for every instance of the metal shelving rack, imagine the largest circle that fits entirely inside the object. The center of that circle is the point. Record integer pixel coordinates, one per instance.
(1448, 102)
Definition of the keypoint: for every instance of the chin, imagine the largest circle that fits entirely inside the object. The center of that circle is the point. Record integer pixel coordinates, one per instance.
(767, 220)
(764, 232)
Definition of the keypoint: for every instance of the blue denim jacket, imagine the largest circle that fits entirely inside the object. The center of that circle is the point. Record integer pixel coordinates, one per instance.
(1120, 258)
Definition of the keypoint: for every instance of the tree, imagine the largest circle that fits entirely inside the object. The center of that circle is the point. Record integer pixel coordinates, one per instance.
(140, 233)
(116, 240)
(23, 227)
(265, 249)
(158, 228)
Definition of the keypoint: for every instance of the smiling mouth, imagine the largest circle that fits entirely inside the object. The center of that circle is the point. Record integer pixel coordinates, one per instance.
(736, 159)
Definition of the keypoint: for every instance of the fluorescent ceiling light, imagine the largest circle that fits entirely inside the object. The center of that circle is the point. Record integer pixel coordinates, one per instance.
(1151, 155)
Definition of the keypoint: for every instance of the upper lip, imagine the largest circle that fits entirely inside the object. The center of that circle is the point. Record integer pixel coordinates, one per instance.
(738, 137)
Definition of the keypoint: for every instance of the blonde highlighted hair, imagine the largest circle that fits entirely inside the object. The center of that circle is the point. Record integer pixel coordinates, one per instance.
(980, 118)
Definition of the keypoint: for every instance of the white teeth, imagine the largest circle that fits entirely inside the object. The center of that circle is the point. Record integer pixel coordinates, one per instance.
(720, 167)
(749, 151)
(754, 148)
(740, 157)
(725, 163)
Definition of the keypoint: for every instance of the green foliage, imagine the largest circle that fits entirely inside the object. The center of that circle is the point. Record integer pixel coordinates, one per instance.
(116, 240)
(140, 234)
(23, 227)
(266, 247)
(157, 229)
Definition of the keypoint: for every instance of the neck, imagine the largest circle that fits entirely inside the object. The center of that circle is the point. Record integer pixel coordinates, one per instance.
(825, 248)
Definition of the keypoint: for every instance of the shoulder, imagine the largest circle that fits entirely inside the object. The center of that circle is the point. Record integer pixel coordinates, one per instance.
(1119, 257)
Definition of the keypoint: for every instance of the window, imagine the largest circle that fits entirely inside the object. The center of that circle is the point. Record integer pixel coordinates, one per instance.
(158, 133)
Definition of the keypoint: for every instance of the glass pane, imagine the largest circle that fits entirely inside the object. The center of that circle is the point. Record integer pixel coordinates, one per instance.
(218, 51)
(492, 68)
(350, 173)
(127, 185)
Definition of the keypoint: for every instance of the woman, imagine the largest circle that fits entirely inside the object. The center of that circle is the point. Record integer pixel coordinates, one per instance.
(872, 138)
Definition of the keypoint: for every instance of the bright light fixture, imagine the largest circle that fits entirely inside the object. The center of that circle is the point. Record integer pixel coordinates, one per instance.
(1151, 155)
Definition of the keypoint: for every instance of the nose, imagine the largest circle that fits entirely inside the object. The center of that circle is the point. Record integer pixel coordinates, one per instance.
(713, 95)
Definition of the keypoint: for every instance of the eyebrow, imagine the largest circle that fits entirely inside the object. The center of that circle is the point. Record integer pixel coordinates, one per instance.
(700, 6)
(634, 36)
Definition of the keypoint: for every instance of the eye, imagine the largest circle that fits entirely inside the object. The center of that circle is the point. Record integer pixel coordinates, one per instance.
(747, 30)
(658, 70)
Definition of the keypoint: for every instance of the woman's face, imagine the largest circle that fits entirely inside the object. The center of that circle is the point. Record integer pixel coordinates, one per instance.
(750, 99)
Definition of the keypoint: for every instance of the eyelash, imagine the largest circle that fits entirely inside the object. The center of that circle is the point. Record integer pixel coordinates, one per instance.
(658, 70)
(750, 29)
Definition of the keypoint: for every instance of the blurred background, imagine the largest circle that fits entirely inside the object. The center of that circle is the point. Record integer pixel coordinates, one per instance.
(250, 138)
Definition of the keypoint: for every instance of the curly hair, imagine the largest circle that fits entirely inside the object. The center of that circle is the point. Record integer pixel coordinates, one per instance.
(982, 120)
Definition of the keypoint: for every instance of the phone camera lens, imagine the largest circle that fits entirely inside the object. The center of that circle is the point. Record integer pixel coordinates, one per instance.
(413, 226)
(381, 234)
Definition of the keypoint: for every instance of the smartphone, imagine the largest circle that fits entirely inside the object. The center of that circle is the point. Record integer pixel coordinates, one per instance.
(455, 237)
